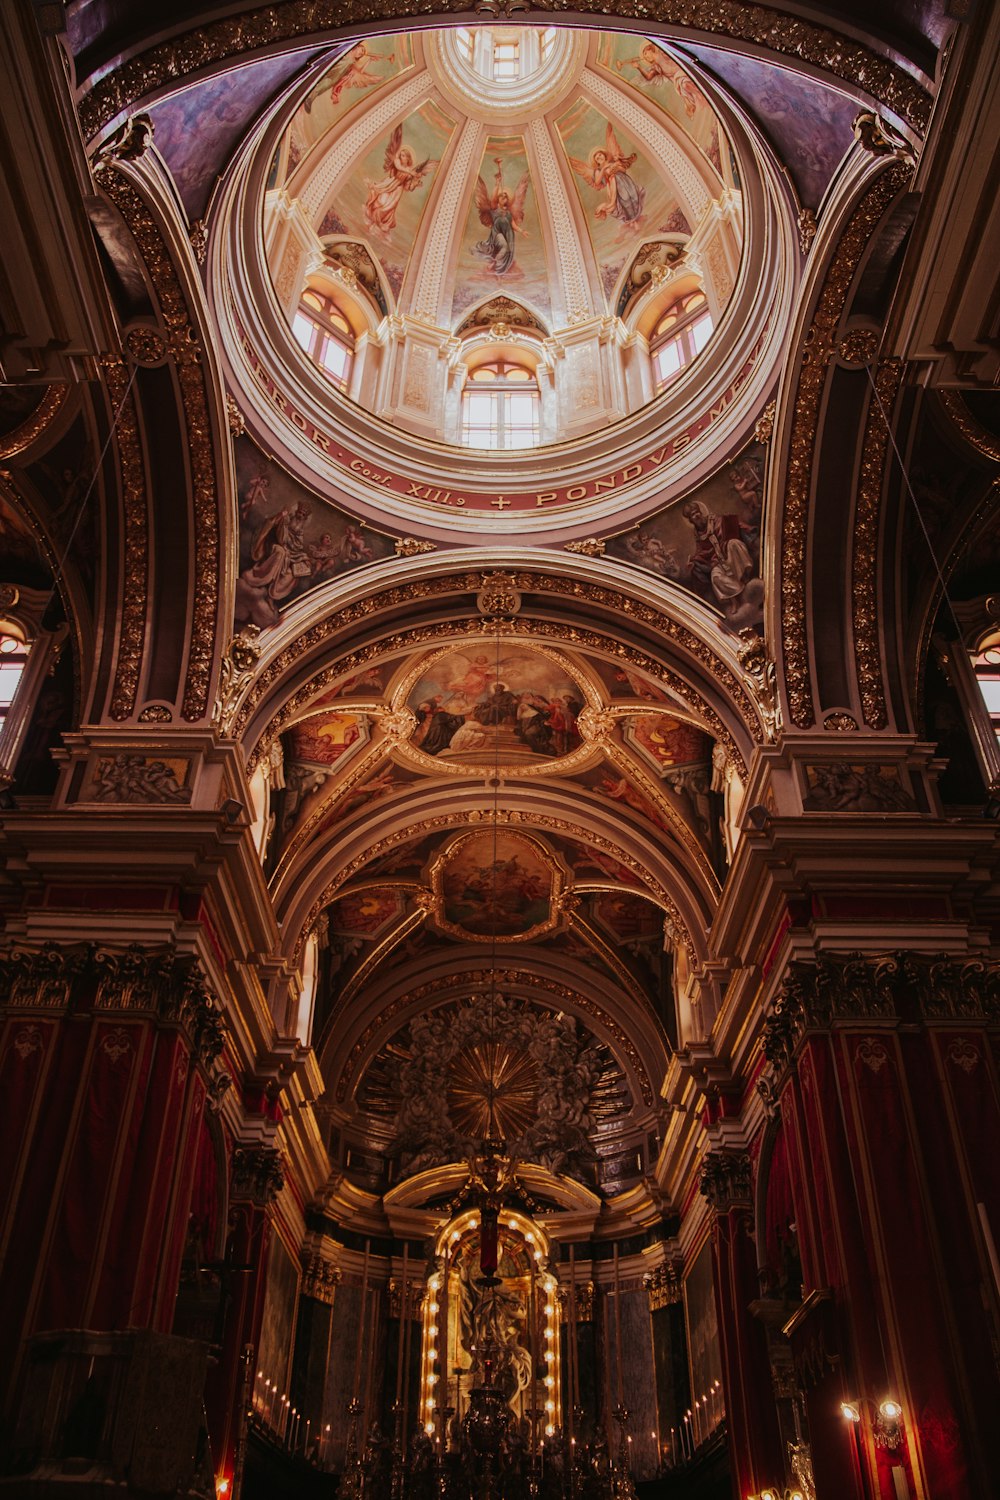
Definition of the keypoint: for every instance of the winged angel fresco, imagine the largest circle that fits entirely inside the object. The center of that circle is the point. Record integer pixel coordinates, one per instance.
(609, 169)
(503, 215)
(403, 174)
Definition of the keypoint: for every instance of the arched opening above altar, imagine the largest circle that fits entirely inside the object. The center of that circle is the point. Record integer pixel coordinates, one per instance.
(491, 1325)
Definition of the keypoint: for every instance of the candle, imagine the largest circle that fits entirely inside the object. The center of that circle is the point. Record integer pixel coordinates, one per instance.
(402, 1322)
(361, 1321)
(407, 1325)
(607, 1370)
(618, 1330)
(533, 1318)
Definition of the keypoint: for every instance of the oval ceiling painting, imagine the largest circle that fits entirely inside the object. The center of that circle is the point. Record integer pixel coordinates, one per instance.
(493, 885)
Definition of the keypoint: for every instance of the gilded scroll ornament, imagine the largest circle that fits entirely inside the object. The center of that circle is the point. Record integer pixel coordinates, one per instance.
(198, 235)
(128, 143)
(880, 138)
(762, 678)
(591, 546)
(805, 423)
(412, 546)
(764, 429)
(806, 223)
(235, 419)
(236, 673)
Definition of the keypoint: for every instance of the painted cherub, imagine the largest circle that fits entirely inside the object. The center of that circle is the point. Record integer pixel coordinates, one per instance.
(503, 215)
(656, 67)
(609, 169)
(402, 175)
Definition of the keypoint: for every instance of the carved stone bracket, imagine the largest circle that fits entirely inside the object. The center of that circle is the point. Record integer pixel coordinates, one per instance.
(256, 1174)
(726, 1180)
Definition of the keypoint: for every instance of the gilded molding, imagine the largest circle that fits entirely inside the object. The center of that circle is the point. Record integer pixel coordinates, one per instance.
(820, 344)
(183, 345)
(786, 36)
(362, 610)
(135, 540)
(30, 430)
(867, 508)
(477, 979)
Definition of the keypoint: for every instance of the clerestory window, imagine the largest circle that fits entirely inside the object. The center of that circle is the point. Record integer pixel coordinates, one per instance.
(324, 333)
(679, 337)
(13, 660)
(500, 407)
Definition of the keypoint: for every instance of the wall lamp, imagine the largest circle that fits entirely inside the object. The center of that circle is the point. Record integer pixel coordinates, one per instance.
(885, 1423)
(772, 1494)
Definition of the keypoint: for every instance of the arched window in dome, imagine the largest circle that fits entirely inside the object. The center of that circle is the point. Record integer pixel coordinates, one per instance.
(986, 666)
(323, 331)
(14, 648)
(681, 333)
(501, 407)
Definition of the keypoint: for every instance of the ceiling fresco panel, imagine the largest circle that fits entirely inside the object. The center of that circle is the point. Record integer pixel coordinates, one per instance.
(290, 540)
(502, 248)
(709, 542)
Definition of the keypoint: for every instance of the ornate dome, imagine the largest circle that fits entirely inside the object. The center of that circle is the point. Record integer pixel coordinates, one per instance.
(502, 239)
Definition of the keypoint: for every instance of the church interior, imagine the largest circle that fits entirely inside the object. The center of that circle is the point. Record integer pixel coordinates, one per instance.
(500, 750)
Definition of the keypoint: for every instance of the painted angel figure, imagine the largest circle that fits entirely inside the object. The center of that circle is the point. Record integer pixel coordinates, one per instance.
(503, 215)
(403, 174)
(609, 169)
(357, 74)
(656, 67)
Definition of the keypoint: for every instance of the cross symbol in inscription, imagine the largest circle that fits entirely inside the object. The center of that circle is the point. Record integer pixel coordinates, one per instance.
(500, 502)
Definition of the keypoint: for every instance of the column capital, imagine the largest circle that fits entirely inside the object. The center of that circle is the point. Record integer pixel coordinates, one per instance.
(320, 1277)
(726, 1180)
(885, 988)
(155, 983)
(256, 1174)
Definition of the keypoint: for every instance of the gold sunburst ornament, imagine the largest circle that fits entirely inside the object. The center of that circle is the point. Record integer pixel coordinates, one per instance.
(493, 1091)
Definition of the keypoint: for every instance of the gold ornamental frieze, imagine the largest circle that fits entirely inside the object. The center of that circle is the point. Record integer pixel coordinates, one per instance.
(207, 48)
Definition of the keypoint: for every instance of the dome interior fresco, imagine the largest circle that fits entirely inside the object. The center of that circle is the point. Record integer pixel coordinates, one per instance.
(520, 210)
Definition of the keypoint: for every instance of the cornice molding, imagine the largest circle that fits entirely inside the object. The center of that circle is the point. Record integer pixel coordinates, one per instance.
(203, 49)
